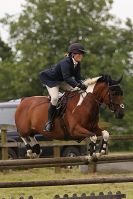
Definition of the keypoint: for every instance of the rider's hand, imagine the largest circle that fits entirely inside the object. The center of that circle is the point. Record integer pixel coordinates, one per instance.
(82, 87)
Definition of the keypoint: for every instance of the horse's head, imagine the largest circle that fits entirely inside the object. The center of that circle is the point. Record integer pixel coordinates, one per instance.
(110, 93)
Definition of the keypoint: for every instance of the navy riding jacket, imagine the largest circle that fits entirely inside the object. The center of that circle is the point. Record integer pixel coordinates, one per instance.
(62, 71)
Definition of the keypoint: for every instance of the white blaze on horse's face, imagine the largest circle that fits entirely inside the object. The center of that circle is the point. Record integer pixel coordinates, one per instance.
(90, 83)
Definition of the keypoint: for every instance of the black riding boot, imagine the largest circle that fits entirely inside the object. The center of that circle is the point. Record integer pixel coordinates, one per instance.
(51, 116)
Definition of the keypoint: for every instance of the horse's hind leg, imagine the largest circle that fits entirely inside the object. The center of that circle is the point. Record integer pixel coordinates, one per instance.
(32, 147)
(28, 147)
(35, 147)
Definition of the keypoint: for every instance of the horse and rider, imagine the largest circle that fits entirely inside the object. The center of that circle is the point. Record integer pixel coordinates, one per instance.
(65, 75)
(81, 117)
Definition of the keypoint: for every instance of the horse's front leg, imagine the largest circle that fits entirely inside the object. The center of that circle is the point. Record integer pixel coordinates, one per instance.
(92, 145)
(104, 144)
(83, 133)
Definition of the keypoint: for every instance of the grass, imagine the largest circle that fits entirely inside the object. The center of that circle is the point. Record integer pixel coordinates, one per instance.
(50, 192)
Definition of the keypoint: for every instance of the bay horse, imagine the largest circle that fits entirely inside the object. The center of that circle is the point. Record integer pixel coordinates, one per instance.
(80, 119)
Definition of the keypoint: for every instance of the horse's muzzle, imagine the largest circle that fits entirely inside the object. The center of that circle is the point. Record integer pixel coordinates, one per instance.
(119, 115)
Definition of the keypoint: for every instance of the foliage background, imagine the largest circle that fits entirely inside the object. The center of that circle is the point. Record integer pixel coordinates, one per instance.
(41, 34)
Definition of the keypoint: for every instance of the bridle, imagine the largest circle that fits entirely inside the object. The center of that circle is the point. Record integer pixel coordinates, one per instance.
(112, 93)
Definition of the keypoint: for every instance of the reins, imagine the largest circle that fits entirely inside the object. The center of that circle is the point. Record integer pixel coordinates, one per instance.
(100, 101)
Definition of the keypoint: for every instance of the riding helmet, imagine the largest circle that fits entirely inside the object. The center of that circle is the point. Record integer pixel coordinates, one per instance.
(76, 48)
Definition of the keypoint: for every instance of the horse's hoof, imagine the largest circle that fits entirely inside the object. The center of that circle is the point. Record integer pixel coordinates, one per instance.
(29, 154)
(103, 152)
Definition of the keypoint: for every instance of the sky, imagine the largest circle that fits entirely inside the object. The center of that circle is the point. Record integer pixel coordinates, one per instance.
(121, 8)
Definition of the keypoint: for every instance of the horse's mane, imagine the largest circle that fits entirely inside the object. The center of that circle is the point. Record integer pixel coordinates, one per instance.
(103, 78)
(90, 81)
(106, 78)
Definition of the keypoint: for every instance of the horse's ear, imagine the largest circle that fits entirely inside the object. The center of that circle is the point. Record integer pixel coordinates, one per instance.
(117, 81)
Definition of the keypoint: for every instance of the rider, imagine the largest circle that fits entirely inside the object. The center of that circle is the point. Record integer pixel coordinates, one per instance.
(65, 74)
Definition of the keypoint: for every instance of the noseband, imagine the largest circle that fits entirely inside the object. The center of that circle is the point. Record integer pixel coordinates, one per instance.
(114, 90)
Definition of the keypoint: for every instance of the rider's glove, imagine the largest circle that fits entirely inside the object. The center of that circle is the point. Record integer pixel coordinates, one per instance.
(82, 87)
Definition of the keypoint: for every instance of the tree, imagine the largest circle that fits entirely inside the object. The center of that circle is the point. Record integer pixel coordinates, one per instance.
(44, 30)
(5, 51)
(6, 76)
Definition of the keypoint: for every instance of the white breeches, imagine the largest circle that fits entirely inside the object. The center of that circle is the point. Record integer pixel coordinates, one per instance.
(54, 91)
(54, 94)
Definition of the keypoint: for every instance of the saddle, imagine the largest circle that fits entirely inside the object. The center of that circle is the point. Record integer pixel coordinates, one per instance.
(61, 109)
(62, 103)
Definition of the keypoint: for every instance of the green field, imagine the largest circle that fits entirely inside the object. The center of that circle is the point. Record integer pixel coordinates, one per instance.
(50, 192)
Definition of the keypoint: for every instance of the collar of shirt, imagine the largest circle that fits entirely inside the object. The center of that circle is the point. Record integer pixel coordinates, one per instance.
(74, 62)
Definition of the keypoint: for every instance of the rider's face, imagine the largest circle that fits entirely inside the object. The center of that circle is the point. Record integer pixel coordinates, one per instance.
(78, 57)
